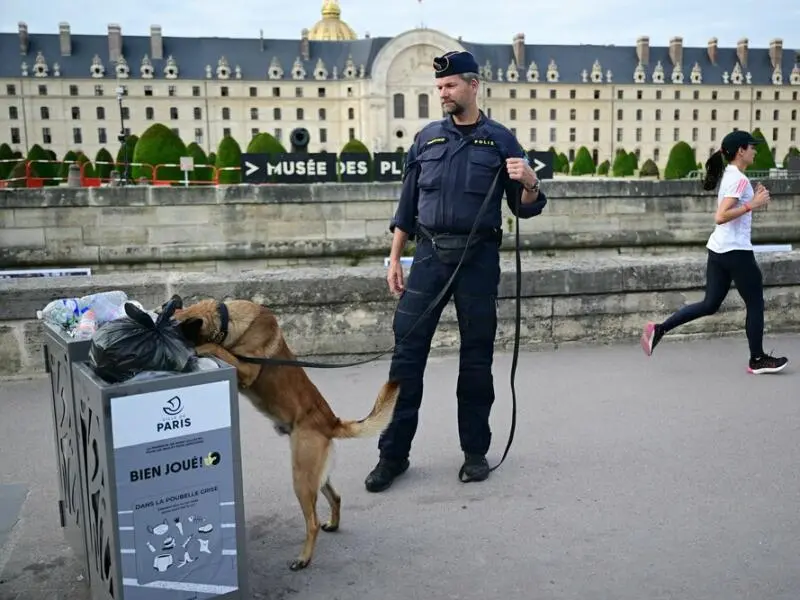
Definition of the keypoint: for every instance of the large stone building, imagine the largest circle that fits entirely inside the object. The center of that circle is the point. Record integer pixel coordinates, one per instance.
(58, 89)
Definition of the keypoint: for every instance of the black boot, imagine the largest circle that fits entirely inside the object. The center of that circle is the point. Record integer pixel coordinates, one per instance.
(385, 473)
(475, 468)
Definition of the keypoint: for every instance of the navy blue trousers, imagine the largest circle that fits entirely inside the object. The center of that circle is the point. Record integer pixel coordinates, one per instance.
(474, 292)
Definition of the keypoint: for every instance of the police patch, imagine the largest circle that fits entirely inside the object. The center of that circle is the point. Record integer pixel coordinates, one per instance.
(438, 140)
(483, 142)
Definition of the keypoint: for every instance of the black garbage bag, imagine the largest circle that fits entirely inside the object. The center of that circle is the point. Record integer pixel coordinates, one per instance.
(125, 347)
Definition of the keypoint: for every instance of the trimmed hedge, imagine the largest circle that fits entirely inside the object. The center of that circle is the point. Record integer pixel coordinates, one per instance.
(681, 161)
(157, 146)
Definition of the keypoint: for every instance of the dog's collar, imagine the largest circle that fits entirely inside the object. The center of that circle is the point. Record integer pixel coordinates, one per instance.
(224, 320)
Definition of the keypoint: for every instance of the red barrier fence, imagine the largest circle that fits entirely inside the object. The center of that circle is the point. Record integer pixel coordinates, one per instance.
(38, 176)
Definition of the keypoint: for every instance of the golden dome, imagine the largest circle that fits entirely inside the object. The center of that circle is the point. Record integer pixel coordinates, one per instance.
(331, 27)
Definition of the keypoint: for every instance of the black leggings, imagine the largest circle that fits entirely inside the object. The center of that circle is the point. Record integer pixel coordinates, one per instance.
(739, 266)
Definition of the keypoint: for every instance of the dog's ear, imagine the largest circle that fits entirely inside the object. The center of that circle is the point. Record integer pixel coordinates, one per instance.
(191, 329)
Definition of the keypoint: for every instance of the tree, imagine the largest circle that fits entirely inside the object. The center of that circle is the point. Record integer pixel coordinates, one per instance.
(603, 168)
(622, 167)
(6, 161)
(681, 161)
(562, 164)
(229, 154)
(44, 169)
(265, 143)
(649, 169)
(203, 170)
(793, 151)
(763, 160)
(103, 164)
(159, 146)
(63, 170)
(583, 164)
(86, 164)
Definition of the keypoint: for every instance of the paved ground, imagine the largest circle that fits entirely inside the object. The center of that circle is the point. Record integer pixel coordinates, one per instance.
(630, 479)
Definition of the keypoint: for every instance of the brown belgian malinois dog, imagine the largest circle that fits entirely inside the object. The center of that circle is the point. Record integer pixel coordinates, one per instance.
(285, 394)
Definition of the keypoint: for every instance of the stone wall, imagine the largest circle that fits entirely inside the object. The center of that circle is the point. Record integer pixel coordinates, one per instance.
(328, 311)
(235, 227)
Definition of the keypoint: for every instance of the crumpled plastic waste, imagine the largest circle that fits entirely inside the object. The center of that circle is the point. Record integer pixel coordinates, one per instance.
(80, 318)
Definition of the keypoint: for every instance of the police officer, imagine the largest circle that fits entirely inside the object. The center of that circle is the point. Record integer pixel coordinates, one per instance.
(449, 171)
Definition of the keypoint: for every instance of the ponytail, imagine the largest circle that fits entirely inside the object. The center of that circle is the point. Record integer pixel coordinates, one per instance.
(715, 166)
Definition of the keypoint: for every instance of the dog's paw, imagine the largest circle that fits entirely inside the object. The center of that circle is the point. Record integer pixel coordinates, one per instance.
(330, 527)
(298, 564)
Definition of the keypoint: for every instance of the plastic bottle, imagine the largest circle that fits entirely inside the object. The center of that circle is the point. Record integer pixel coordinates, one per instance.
(104, 304)
(61, 313)
(86, 326)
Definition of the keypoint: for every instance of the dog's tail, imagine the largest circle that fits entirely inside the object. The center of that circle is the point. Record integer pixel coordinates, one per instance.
(377, 420)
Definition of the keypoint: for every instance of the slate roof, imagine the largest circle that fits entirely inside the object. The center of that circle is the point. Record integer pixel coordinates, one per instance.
(193, 54)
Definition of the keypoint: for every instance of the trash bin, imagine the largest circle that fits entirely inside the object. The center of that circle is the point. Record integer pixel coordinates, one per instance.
(164, 513)
(60, 352)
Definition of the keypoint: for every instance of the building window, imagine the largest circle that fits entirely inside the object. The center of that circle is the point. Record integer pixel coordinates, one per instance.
(254, 114)
(196, 91)
(552, 94)
(298, 92)
(553, 114)
(775, 134)
(638, 134)
(533, 94)
(695, 115)
(696, 95)
(596, 114)
(713, 134)
(695, 134)
(399, 106)
(253, 91)
(596, 97)
(619, 134)
(102, 138)
(533, 134)
(226, 131)
(254, 132)
(533, 114)
(45, 113)
(101, 113)
(423, 106)
(620, 95)
(171, 90)
(552, 135)
(713, 114)
(276, 114)
(98, 90)
(658, 94)
(43, 90)
(351, 133)
(13, 113)
(572, 94)
(322, 114)
(198, 113)
(15, 135)
(572, 134)
(76, 113)
(149, 113)
(658, 114)
(276, 92)
(126, 112)
(596, 136)
(776, 115)
(735, 114)
(198, 136)
(758, 114)
(512, 114)
(573, 114)
(657, 134)
(148, 90)
(619, 114)
(676, 134)
(656, 155)
(320, 92)
(677, 114)
(77, 137)
(173, 113)
(223, 91)
(351, 113)
(11, 90)
(226, 114)
(278, 134)
(301, 115)
(677, 95)
(73, 90)
(46, 137)
(323, 135)
(512, 94)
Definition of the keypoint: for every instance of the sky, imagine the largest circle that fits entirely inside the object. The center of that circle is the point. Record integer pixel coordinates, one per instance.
(617, 22)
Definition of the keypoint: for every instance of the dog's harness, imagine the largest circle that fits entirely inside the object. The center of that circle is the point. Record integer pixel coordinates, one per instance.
(219, 336)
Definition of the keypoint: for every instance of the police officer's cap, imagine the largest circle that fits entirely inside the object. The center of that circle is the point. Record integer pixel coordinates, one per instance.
(454, 63)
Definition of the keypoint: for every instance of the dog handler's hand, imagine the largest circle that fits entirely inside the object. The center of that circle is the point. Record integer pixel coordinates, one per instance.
(395, 278)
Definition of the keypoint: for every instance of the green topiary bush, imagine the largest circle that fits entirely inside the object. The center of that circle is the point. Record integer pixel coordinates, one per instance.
(681, 161)
(562, 164)
(265, 143)
(793, 151)
(603, 168)
(358, 147)
(6, 161)
(159, 145)
(101, 169)
(17, 177)
(46, 170)
(622, 167)
(229, 154)
(202, 170)
(583, 165)
(88, 167)
(763, 160)
(649, 169)
(63, 170)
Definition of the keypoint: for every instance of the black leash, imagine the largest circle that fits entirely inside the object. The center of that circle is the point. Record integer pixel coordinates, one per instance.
(224, 320)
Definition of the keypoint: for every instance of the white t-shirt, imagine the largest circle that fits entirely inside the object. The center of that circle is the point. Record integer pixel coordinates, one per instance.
(735, 234)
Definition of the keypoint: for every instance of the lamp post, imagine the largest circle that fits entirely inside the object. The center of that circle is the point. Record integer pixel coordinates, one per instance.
(123, 138)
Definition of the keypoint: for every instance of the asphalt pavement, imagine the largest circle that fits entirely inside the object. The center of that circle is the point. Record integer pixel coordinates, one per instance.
(630, 478)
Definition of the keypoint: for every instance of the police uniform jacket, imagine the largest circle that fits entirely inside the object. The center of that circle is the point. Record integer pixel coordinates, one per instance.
(448, 174)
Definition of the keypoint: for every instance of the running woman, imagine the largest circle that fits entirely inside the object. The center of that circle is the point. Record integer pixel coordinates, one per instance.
(730, 252)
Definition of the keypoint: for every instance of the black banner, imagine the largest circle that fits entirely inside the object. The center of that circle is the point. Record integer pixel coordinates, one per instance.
(321, 167)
